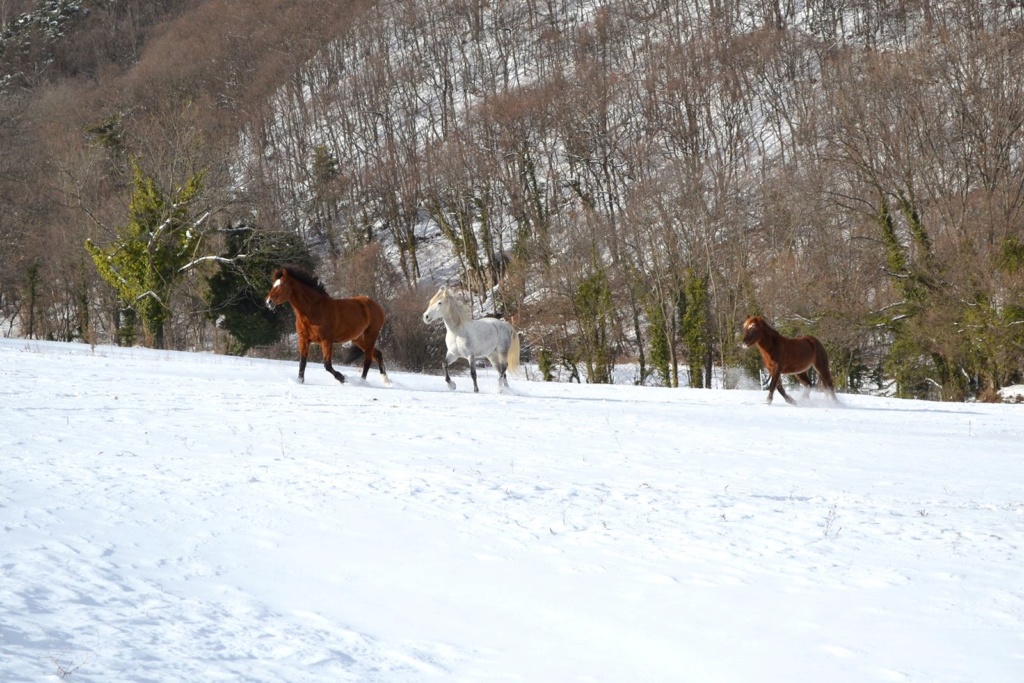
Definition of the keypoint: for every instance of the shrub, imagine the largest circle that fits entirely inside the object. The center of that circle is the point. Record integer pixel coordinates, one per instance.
(413, 345)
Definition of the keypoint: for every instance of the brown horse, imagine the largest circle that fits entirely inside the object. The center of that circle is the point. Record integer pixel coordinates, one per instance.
(324, 320)
(786, 356)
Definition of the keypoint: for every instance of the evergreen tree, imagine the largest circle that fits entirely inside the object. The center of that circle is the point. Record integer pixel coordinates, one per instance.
(151, 252)
(595, 312)
(236, 292)
(696, 327)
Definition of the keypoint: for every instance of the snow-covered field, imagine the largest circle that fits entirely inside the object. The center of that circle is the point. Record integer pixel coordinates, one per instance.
(188, 517)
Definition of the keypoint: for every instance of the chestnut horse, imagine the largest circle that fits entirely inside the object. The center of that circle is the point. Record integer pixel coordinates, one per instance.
(788, 356)
(324, 320)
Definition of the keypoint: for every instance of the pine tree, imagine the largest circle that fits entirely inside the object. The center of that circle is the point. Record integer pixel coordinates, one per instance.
(236, 292)
(147, 257)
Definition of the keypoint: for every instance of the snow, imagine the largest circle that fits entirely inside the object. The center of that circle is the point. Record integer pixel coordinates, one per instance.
(1013, 394)
(189, 517)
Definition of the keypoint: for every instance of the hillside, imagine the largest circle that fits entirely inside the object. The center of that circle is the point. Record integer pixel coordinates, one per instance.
(629, 180)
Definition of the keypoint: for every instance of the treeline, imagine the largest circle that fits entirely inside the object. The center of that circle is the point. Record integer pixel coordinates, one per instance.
(630, 180)
(119, 127)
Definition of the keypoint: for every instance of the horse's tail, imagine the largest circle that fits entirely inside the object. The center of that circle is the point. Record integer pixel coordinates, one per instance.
(513, 350)
(824, 373)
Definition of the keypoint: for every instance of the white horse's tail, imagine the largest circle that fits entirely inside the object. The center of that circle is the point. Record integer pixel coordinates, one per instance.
(513, 351)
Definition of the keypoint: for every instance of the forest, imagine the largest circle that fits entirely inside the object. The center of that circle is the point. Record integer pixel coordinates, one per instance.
(626, 180)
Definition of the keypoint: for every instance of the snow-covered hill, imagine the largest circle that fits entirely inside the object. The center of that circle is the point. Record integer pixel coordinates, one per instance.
(181, 517)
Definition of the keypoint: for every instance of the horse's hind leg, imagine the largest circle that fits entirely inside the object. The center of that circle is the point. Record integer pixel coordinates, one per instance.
(328, 350)
(367, 361)
(825, 379)
(370, 354)
(379, 357)
(501, 365)
(805, 379)
(472, 373)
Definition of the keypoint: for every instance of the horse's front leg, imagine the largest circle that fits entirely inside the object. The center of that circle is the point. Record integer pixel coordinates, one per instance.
(773, 384)
(447, 378)
(773, 378)
(778, 384)
(328, 351)
(303, 355)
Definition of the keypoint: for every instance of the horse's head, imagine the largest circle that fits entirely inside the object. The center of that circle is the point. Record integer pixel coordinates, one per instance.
(280, 290)
(753, 328)
(437, 306)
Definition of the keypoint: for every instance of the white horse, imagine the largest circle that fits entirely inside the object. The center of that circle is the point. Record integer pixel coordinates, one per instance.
(489, 338)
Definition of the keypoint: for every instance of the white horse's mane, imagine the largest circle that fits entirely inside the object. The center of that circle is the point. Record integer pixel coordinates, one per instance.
(458, 309)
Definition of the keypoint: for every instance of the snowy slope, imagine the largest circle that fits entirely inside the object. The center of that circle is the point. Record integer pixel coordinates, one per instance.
(183, 517)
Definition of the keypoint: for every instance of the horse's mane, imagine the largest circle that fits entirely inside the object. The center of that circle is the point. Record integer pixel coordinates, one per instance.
(759, 321)
(302, 276)
(460, 310)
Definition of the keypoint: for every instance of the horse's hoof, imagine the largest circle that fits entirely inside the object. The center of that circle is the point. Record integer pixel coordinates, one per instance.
(451, 385)
(386, 380)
